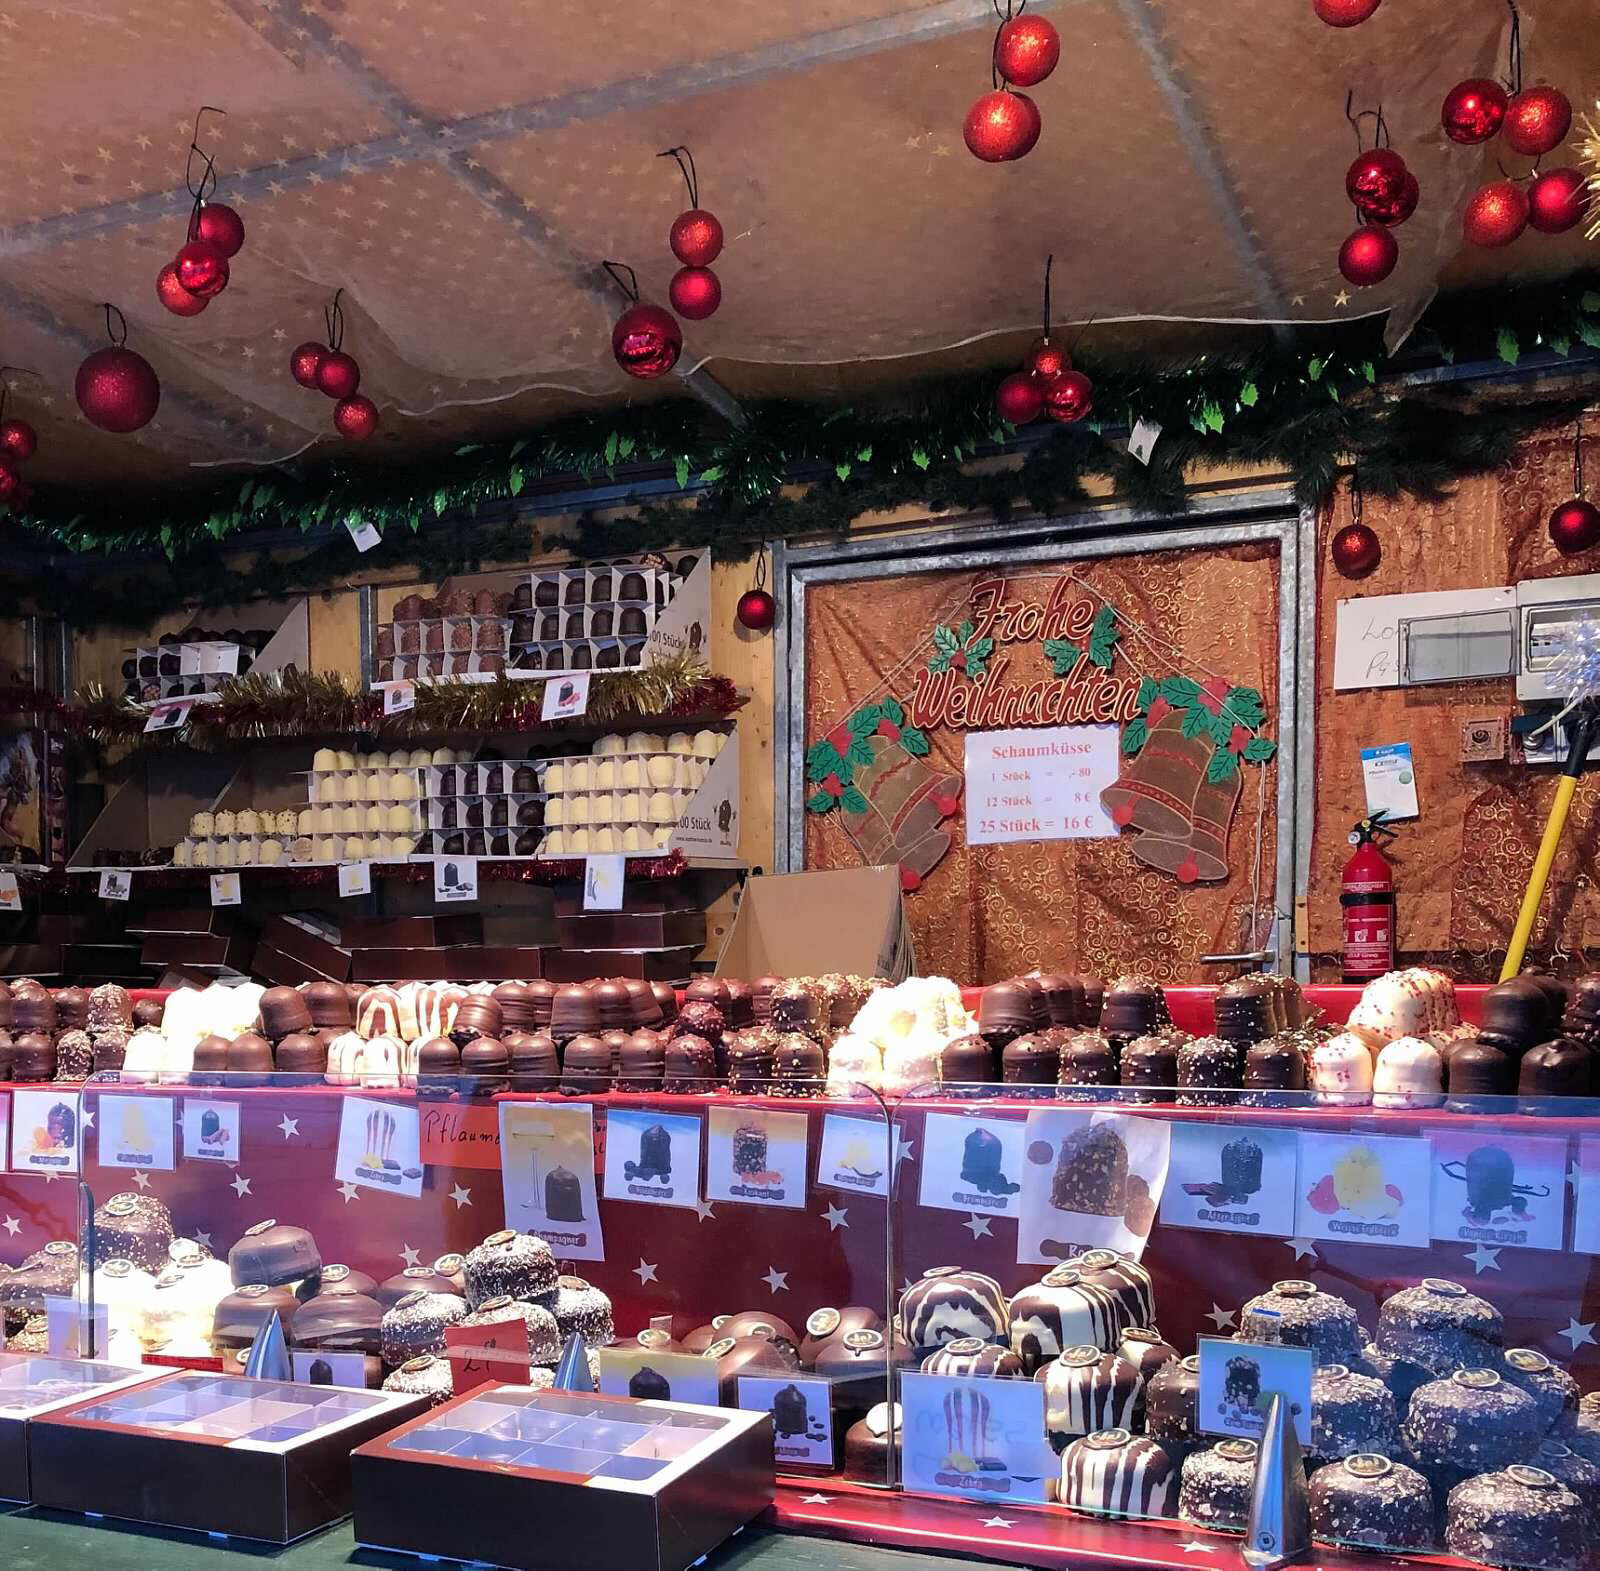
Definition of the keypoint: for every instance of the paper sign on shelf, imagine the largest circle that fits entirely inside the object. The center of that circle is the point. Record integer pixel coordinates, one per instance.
(379, 1147)
(1364, 1189)
(972, 1164)
(652, 1158)
(854, 1155)
(1231, 1178)
(398, 697)
(1238, 1381)
(355, 878)
(1143, 438)
(210, 1130)
(979, 1439)
(566, 697)
(66, 1324)
(46, 1128)
(115, 884)
(136, 1131)
(455, 879)
(5, 1129)
(10, 893)
(1586, 1200)
(802, 1416)
(547, 1176)
(1390, 777)
(602, 882)
(756, 1157)
(168, 716)
(225, 889)
(363, 533)
(631, 1370)
(1040, 784)
(709, 826)
(481, 1354)
(1501, 1190)
(322, 1368)
(460, 1134)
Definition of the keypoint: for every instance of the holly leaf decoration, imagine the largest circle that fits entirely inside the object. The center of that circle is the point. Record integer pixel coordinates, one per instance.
(854, 802)
(939, 663)
(1222, 724)
(865, 720)
(964, 633)
(611, 449)
(1103, 636)
(859, 753)
(1062, 655)
(978, 656)
(919, 457)
(893, 711)
(1508, 346)
(1148, 693)
(1249, 395)
(1245, 705)
(515, 480)
(945, 641)
(1561, 344)
(1197, 721)
(440, 502)
(680, 469)
(1211, 415)
(915, 741)
(822, 760)
(1223, 766)
(1314, 369)
(842, 469)
(1180, 691)
(1259, 749)
(820, 803)
(1134, 735)
(1590, 334)
(864, 454)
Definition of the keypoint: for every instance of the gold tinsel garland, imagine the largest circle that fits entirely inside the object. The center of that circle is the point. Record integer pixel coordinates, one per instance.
(293, 703)
(1589, 151)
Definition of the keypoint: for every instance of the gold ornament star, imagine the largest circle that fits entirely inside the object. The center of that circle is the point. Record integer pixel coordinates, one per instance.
(1342, 299)
(1298, 300)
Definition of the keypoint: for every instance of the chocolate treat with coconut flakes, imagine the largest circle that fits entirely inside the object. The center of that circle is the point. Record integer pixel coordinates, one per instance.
(1473, 1420)
(1441, 1327)
(1216, 1486)
(1350, 1412)
(1371, 1501)
(1520, 1517)
(1299, 1314)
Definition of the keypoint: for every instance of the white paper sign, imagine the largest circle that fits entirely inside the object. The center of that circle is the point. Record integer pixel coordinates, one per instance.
(1143, 438)
(168, 716)
(1501, 1190)
(653, 1158)
(1364, 1189)
(802, 1417)
(136, 1131)
(322, 1368)
(566, 697)
(1366, 641)
(983, 1440)
(355, 878)
(1232, 1179)
(602, 882)
(399, 696)
(1586, 1207)
(5, 1133)
(10, 894)
(547, 1175)
(709, 826)
(1391, 780)
(631, 1370)
(363, 533)
(380, 1147)
(115, 884)
(211, 1130)
(854, 1155)
(46, 1129)
(455, 878)
(757, 1158)
(1238, 1381)
(972, 1164)
(1040, 784)
(225, 889)
(65, 1324)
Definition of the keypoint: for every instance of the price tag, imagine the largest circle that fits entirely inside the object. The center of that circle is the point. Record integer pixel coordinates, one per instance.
(115, 884)
(225, 889)
(566, 697)
(398, 696)
(363, 535)
(602, 882)
(480, 1354)
(168, 716)
(1143, 438)
(355, 878)
(455, 878)
(10, 894)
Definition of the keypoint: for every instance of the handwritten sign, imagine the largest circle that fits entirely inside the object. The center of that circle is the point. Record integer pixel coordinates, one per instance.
(1040, 784)
(457, 1135)
(480, 1355)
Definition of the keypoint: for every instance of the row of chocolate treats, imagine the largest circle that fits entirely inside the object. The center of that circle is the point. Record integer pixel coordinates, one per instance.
(69, 1034)
(163, 670)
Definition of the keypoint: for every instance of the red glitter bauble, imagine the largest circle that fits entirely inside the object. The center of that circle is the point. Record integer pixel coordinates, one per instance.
(1369, 255)
(1069, 398)
(1344, 13)
(756, 610)
(117, 389)
(1575, 526)
(202, 269)
(1473, 110)
(306, 361)
(10, 480)
(1557, 200)
(338, 375)
(18, 440)
(1496, 214)
(694, 292)
(175, 297)
(646, 341)
(1391, 214)
(223, 227)
(1356, 550)
(1376, 176)
(355, 417)
(1537, 120)
(1026, 50)
(1019, 398)
(1047, 359)
(1001, 126)
(696, 238)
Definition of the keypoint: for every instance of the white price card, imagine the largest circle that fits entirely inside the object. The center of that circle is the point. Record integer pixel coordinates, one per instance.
(225, 889)
(399, 696)
(363, 533)
(10, 894)
(602, 882)
(566, 697)
(455, 878)
(115, 884)
(168, 717)
(355, 878)
(1143, 438)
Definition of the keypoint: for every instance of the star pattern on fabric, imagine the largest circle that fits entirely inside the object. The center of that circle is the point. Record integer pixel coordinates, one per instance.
(289, 1126)
(978, 1226)
(411, 1256)
(1302, 1248)
(644, 1271)
(240, 1186)
(702, 1209)
(1484, 1259)
(1219, 1317)
(462, 1197)
(1578, 1333)
(777, 1280)
(349, 1191)
(141, 1180)
(835, 1216)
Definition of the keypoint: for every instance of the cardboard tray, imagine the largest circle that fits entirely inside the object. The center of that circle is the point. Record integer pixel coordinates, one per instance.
(851, 920)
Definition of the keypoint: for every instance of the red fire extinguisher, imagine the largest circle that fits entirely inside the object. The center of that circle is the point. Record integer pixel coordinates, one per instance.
(1367, 895)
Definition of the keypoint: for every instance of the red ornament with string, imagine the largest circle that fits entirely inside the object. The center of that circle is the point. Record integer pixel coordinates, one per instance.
(1026, 49)
(1046, 368)
(1019, 399)
(757, 610)
(696, 235)
(1557, 200)
(220, 226)
(1537, 121)
(18, 439)
(695, 293)
(200, 269)
(1355, 549)
(1376, 176)
(1473, 110)
(1001, 126)
(1047, 358)
(117, 388)
(1496, 214)
(175, 297)
(356, 417)
(1368, 256)
(1344, 13)
(338, 374)
(1575, 524)
(1393, 213)
(305, 362)
(646, 340)
(1069, 398)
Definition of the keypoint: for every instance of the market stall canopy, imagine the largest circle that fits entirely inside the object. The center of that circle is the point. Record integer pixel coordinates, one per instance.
(461, 170)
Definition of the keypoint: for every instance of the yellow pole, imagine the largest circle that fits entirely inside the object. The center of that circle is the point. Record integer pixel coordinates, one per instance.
(1534, 893)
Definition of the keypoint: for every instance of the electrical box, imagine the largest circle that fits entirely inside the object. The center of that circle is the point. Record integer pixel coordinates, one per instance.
(1457, 647)
(1545, 608)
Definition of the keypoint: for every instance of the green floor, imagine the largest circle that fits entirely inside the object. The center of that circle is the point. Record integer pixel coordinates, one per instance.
(43, 1541)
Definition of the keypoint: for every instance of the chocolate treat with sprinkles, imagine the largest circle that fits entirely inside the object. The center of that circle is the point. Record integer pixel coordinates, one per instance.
(509, 1264)
(1553, 1390)
(1299, 1314)
(1216, 1483)
(1520, 1517)
(1350, 1413)
(1440, 1326)
(585, 1309)
(417, 1324)
(1472, 1420)
(544, 1336)
(1372, 1501)
(424, 1376)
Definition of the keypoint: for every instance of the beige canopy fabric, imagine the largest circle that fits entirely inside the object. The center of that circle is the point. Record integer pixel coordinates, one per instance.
(461, 170)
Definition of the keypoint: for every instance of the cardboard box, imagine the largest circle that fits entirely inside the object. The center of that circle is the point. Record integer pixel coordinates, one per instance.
(850, 920)
(651, 965)
(633, 930)
(406, 932)
(311, 940)
(496, 963)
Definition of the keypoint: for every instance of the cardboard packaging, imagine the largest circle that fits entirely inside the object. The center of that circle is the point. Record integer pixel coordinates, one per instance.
(850, 920)
(652, 965)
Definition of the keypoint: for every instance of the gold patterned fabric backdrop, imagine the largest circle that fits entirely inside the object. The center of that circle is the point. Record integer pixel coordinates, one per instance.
(987, 912)
(1460, 868)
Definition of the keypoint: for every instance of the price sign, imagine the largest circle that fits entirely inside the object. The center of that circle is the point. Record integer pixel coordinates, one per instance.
(565, 697)
(602, 882)
(355, 878)
(398, 696)
(225, 889)
(115, 885)
(363, 534)
(481, 1354)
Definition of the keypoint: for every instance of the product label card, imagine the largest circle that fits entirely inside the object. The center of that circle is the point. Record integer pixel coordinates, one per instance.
(855, 1155)
(364, 534)
(1496, 1189)
(45, 1131)
(981, 1440)
(10, 893)
(115, 884)
(1586, 1205)
(211, 1130)
(547, 1174)
(631, 1370)
(355, 878)
(756, 1157)
(709, 825)
(5, 1130)
(1143, 438)
(653, 1158)
(1391, 780)
(455, 878)
(802, 1417)
(972, 1164)
(1238, 1381)
(602, 882)
(66, 1324)
(399, 696)
(460, 1134)
(1232, 1178)
(1042, 784)
(1089, 1179)
(225, 889)
(168, 716)
(565, 697)
(379, 1147)
(321, 1368)
(136, 1131)
(481, 1354)
(1364, 1189)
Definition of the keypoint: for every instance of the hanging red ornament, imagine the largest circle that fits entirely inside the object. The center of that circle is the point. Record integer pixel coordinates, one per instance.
(1047, 359)
(1557, 200)
(355, 417)
(117, 389)
(1368, 256)
(1344, 13)
(202, 269)
(1575, 526)
(695, 293)
(1537, 121)
(1496, 214)
(18, 440)
(224, 228)
(756, 610)
(338, 375)
(1356, 550)
(1019, 398)
(1473, 110)
(175, 297)
(696, 237)
(10, 481)
(1069, 398)
(1026, 50)
(305, 362)
(1377, 175)
(1001, 126)
(1392, 214)
(646, 341)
